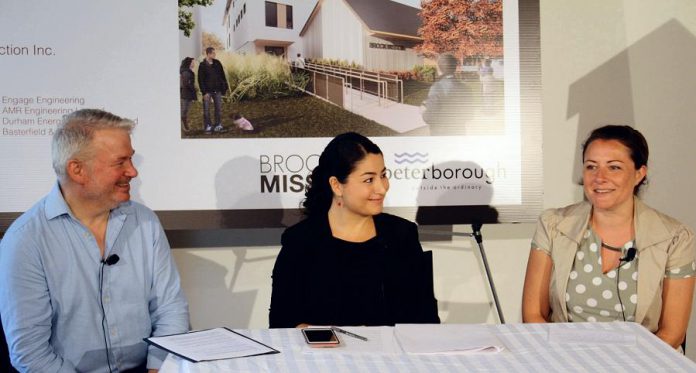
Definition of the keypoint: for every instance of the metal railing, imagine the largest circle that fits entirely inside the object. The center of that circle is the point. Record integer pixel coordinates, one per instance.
(322, 85)
(375, 83)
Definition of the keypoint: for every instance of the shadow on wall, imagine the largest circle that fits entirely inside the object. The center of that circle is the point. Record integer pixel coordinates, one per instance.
(230, 224)
(466, 313)
(461, 200)
(649, 86)
(233, 308)
(231, 188)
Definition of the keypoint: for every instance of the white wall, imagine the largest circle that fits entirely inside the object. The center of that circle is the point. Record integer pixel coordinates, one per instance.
(388, 59)
(602, 61)
(253, 26)
(254, 16)
(190, 46)
(342, 32)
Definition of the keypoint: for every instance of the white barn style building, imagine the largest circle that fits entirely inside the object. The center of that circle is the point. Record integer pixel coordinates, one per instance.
(378, 35)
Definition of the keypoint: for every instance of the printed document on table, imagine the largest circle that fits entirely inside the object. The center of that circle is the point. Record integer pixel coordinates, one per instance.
(447, 339)
(211, 344)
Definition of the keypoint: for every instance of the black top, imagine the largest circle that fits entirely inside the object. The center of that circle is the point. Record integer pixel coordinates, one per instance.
(187, 88)
(321, 280)
(211, 77)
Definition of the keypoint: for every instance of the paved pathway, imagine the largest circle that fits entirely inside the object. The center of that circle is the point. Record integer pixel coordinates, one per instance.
(399, 117)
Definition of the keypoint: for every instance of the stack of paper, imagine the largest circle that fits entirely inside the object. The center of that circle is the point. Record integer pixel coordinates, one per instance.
(211, 344)
(447, 339)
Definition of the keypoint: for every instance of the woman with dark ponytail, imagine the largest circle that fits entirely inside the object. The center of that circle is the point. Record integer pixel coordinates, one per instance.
(347, 262)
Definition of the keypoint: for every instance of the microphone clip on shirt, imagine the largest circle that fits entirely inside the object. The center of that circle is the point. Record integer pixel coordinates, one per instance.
(111, 260)
(108, 261)
(630, 255)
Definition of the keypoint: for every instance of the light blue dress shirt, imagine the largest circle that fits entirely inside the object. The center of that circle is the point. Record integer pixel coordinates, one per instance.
(49, 290)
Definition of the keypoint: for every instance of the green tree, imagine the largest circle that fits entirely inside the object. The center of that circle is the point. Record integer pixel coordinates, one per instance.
(186, 23)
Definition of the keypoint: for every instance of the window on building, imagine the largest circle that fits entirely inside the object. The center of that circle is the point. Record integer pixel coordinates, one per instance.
(271, 14)
(275, 51)
(240, 17)
(278, 15)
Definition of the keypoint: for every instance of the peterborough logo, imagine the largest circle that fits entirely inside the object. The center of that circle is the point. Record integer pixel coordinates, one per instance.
(411, 158)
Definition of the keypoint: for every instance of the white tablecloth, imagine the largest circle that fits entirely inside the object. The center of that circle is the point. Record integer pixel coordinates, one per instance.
(528, 348)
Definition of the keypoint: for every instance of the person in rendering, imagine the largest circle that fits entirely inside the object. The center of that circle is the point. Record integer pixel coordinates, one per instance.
(299, 62)
(242, 123)
(487, 82)
(486, 77)
(213, 84)
(612, 257)
(86, 274)
(347, 262)
(187, 89)
(443, 108)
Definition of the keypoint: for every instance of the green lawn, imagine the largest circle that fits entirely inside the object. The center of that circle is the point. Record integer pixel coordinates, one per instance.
(300, 116)
(307, 116)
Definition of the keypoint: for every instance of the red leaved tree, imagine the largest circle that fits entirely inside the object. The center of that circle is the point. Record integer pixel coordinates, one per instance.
(465, 28)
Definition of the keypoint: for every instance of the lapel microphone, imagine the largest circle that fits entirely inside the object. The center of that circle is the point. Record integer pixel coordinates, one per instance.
(111, 260)
(630, 255)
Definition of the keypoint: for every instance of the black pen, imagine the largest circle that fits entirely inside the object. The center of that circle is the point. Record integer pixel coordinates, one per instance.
(348, 333)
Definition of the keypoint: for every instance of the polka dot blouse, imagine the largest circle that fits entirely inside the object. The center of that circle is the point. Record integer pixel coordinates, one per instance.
(595, 296)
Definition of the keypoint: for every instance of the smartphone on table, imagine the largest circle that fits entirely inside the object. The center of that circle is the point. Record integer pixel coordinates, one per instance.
(321, 337)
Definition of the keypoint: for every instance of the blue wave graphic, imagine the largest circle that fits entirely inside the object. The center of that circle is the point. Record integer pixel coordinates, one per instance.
(405, 154)
(411, 158)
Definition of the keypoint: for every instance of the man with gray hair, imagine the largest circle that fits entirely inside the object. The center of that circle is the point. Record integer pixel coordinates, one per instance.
(86, 274)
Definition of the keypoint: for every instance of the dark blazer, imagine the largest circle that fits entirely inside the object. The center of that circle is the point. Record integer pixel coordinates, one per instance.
(187, 88)
(211, 77)
(310, 286)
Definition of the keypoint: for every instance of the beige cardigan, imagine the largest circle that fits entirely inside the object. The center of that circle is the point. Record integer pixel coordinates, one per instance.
(662, 243)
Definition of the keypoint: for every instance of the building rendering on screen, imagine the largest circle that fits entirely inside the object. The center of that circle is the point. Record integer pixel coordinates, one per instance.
(378, 35)
(256, 26)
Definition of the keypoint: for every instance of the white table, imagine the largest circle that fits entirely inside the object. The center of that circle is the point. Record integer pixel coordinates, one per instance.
(527, 349)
